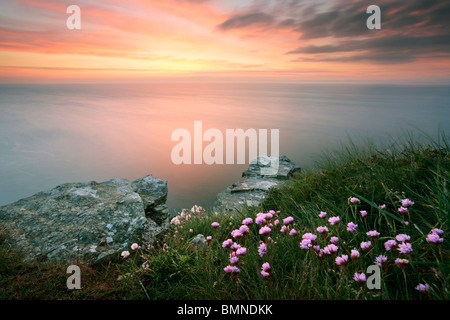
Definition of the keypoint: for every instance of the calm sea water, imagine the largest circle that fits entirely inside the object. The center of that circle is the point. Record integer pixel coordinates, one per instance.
(53, 134)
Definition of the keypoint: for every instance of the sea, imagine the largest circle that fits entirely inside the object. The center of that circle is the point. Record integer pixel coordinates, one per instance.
(52, 134)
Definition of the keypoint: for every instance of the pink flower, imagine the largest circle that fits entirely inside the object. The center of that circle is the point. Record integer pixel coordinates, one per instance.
(330, 249)
(366, 245)
(373, 234)
(322, 230)
(283, 229)
(310, 236)
(390, 244)
(354, 254)
(241, 251)
(215, 225)
(363, 213)
(355, 200)
(266, 267)
(359, 277)
(235, 246)
(125, 254)
(208, 238)
(293, 232)
(351, 227)
(334, 240)
(247, 221)
(236, 234)
(305, 244)
(434, 238)
(402, 237)
(265, 274)
(403, 210)
(322, 214)
(334, 220)
(264, 231)
(407, 203)
(234, 260)
(134, 246)
(380, 260)
(276, 222)
(383, 206)
(288, 220)
(260, 220)
(423, 287)
(244, 229)
(262, 250)
(437, 231)
(401, 263)
(405, 247)
(342, 260)
(227, 243)
(231, 270)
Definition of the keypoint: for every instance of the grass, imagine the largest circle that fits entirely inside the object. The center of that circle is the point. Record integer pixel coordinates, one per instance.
(175, 269)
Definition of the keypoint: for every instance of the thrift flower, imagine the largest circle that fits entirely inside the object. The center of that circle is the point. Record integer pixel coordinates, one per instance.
(402, 237)
(373, 234)
(264, 231)
(134, 246)
(330, 249)
(306, 244)
(390, 244)
(423, 287)
(434, 238)
(322, 215)
(355, 200)
(342, 260)
(244, 229)
(359, 277)
(401, 263)
(405, 247)
(283, 229)
(208, 238)
(334, 220)
(234, 260)
(262, 250)
(351, 227)
(383, 206)
(231, 270)
(227, 243)
(354, 254)
(322, 230)
(363, 213)
(407, 203)
(381, 260)
(288, 220)
(366, 245)
(241, 251)
(265, 274)
(125, 254)
(236, 234)
(266, 267)
(247, 221)
(310, 236)
(334, 240)
(403, 210)
(437, 231)
(215, 225)
(293, 232)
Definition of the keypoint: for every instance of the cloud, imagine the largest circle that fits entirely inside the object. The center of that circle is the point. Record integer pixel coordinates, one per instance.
(259, 19)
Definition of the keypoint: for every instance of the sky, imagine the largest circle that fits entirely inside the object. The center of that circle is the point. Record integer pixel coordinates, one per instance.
(258, 40)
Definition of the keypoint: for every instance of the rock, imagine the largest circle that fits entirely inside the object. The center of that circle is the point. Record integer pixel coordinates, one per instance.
(255, 183)
(198, 241)
(87, 222)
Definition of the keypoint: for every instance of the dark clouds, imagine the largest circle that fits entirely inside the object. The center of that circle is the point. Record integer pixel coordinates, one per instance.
(410, 29)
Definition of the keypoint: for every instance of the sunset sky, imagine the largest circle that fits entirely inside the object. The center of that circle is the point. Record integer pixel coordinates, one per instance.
(286, 40)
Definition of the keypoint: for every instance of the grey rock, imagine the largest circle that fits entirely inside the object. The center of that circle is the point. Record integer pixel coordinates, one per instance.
(86, 222)
(198, 241)
(255, 184)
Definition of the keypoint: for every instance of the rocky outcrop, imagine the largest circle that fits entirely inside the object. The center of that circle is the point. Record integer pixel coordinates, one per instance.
(255, 184)
(86, 222)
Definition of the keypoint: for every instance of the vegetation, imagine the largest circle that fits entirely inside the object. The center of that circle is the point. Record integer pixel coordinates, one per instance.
(393, 194)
